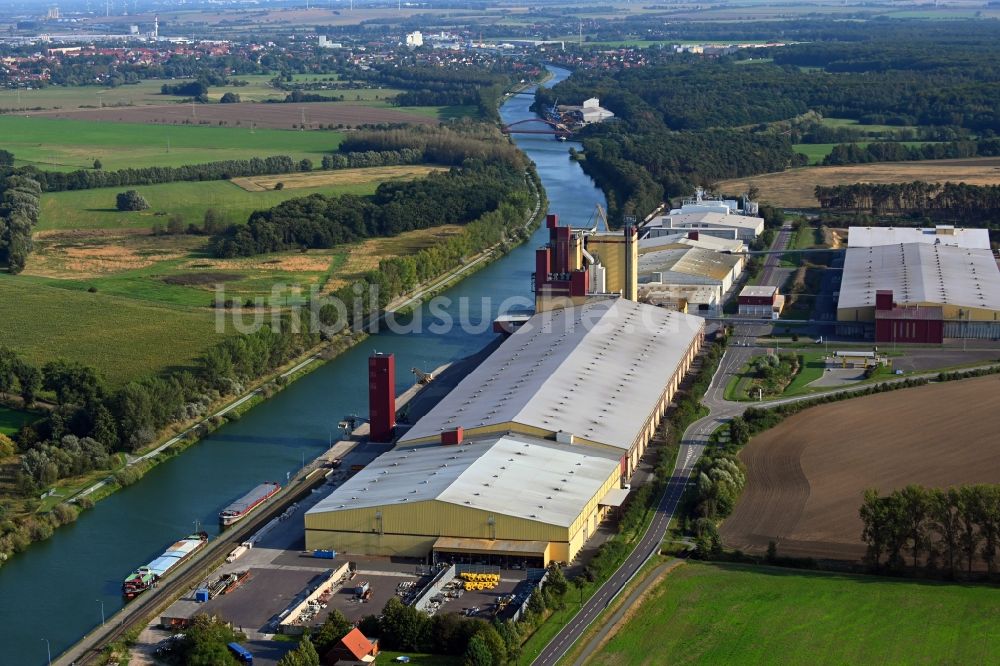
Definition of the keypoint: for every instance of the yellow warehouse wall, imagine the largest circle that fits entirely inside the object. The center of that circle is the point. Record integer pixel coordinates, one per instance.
(950, 312)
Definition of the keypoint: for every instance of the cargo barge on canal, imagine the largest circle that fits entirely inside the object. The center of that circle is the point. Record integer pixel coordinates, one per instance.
(146, 577)
(244, 505)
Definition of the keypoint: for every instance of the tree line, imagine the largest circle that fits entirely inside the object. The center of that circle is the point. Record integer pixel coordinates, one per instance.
(317, 221)
(954, 201)
(85, 179)
(19, 209)
(939, 530)
(890, 151)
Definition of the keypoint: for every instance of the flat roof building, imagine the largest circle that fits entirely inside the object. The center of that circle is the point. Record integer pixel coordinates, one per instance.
(710, 223)
(957, 286)
(601, 374)
(942, 234)
(690, 265)
(509, 495)
(690, 239)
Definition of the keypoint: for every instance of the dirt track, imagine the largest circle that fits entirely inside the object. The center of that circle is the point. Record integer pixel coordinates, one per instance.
(278, 116)
(806, 476)
(795, 187)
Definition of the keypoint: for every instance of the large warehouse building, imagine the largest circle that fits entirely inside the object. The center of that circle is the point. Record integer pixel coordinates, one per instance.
(919, 292)
(528, 453)
(600, 374)
(504, 497)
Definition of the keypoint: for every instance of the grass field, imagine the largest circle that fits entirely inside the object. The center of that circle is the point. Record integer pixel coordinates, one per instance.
(124, 339)
(95, 209)
(727, 614)
(11, 420)
(418, 659)
(795, 187)
(854, 124)
(75, 144)
(337, 178)
(817, 151)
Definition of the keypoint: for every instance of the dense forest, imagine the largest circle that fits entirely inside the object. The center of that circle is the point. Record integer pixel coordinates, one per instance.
(972, 204)
(683, 120)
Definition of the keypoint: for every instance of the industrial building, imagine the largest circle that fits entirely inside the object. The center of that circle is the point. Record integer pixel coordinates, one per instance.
(760, 302)
(690, 239)
(708, 223)
(506, 498)
(687, 298)
(567, 374)
(919, 292)
(577, 264)
(690, 265)
(942, 234)
(589, 112)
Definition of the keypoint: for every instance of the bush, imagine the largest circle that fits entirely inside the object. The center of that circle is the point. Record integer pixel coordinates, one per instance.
(131, 200)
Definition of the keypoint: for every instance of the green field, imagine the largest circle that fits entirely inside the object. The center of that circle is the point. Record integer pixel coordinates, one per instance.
(854, 124)
(817, 151)
(95, 209)
(124, 339)
(11, 420)
(74, 144)
(727, 614)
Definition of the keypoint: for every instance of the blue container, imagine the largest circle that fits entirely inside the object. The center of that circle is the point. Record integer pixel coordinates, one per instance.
(325, 554)
(201, 595)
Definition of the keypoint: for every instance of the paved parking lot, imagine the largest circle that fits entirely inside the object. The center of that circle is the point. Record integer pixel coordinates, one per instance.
(268, 592)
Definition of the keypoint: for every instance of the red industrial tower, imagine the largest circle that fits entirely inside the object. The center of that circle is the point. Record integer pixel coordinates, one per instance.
(381, 396)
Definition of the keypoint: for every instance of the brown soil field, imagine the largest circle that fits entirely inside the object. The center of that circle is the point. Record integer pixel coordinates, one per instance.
(794, 188)
(276, 116)
(337, 177)
(806, 477)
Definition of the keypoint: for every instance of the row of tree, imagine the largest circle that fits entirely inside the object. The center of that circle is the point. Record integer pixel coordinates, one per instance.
(19, 209)
(937, 529)
(969, 203)
(890, 151)
(84, 179)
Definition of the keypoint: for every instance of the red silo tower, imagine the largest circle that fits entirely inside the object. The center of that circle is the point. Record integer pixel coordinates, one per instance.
(381, 396)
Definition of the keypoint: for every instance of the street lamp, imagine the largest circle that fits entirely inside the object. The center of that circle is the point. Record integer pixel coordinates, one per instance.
(101, 601)
(48, 650)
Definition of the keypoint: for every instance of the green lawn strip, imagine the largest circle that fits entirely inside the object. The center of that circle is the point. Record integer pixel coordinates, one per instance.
(605, 615)
(11, 420)
(58, 144)
(95, 209)
(67, 488)
(705, 613)
(123, 339)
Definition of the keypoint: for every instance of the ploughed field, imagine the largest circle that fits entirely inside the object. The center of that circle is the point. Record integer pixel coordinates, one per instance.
(806, 477)
(795, 187)
(275, 116)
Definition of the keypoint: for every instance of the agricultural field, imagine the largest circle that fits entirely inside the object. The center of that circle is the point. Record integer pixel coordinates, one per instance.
(75, 144)
(314, 115)
(123, 338)
(342, 178)
(805, 477)
(794, 188)
(705, 613)
(95, 209)
(11, 420)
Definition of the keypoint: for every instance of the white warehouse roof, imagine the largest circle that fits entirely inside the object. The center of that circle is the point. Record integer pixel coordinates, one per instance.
(595, 371)
(940, 235)
(709, 219)
(921, 273)
(704, 242)
(514, 475)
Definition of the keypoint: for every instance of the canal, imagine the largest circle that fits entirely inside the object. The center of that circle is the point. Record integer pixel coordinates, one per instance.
(55, 590)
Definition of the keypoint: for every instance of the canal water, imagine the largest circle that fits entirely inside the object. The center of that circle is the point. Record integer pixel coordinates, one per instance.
(55, 590)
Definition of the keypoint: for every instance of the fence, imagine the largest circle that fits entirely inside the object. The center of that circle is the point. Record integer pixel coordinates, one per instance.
(443, 577)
